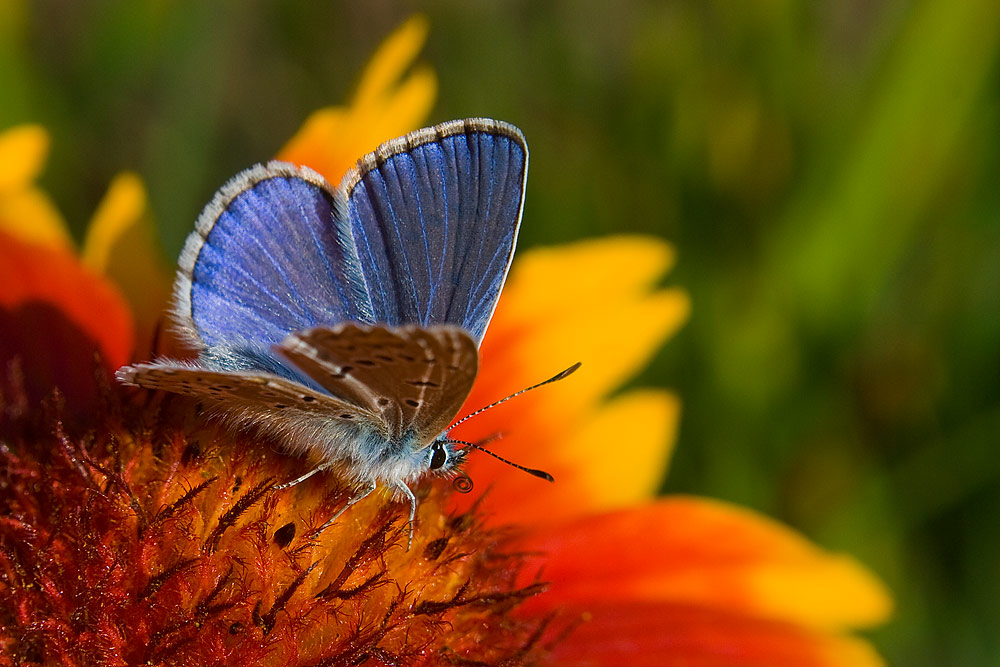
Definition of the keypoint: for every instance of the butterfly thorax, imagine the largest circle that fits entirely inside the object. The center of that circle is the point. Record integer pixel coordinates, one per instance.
(366, 455)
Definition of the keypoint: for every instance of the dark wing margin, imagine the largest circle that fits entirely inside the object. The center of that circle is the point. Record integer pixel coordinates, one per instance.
(435, 216)
(267, 257)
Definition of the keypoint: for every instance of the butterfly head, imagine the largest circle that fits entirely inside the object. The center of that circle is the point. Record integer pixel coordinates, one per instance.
(443, 457)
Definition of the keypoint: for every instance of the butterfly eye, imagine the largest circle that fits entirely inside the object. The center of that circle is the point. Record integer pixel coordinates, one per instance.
(438, 456)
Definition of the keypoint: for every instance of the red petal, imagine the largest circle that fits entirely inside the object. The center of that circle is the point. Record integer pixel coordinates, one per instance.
(639, 635)
(55, 316)
(709, 554)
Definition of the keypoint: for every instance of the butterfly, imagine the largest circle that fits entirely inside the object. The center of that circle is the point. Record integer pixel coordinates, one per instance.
(347, 320)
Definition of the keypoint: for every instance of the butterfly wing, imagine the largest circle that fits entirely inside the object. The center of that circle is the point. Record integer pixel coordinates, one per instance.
(267, 391)
(307, 420)
(267, 258)
(414, 378)
(435, 216)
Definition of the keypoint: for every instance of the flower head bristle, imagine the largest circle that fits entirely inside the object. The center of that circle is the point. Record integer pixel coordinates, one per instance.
(168, 544)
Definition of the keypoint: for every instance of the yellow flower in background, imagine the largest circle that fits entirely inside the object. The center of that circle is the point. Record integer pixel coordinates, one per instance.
(121, 244)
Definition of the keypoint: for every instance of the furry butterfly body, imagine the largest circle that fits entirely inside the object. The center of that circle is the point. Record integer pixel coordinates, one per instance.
(347, 320)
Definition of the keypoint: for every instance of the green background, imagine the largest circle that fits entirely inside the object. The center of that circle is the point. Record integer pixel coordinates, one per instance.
(828, 171)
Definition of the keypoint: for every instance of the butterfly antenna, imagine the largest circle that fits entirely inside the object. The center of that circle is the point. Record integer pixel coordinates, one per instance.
(555, 378)
(530, 471)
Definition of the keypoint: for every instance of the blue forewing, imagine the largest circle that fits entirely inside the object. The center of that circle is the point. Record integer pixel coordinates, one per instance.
(435, 217)
(422, 232)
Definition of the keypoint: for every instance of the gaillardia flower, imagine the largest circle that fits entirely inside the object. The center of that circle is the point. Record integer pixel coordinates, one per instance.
(138, 531)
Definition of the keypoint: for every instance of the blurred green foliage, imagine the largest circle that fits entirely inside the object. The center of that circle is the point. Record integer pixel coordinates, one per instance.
(828, 171)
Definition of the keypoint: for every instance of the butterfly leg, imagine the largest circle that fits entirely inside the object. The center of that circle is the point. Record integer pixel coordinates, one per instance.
(359, 496)
(413, 508)
(303, 478)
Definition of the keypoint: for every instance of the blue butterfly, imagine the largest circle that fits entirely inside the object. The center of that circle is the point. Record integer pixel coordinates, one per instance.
(347, 320)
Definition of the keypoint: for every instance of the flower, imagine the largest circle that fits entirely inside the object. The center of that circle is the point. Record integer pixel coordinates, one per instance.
(668, 581)
(144, 533)
(57, 316)
(60, 314)
(161, 538)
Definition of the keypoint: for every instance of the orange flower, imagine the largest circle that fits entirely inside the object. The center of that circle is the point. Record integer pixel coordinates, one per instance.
(57, 316)
(120, 244)
(670, 581)
(184, 552)
(151, 535)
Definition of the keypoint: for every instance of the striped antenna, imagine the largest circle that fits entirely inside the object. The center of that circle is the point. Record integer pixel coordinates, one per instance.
(566, 373)
(530, 471)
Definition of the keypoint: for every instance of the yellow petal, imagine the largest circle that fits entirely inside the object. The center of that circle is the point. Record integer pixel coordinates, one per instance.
(26, 211)
(400, 110)
(393, 56)
(121, 243)
(23, 150)
(850, 652)
(591, 302)
(839, 588)
(31, 216)
(622, 451)
(332, 139)
(596, 268)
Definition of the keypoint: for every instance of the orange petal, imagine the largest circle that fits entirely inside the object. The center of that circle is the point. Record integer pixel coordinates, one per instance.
(121, 243)
(601, 458)
(332, 139)
(614, 457)
(31, 273)
(55, 319)
(604, 311)
(709, 554)
(667, 635)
